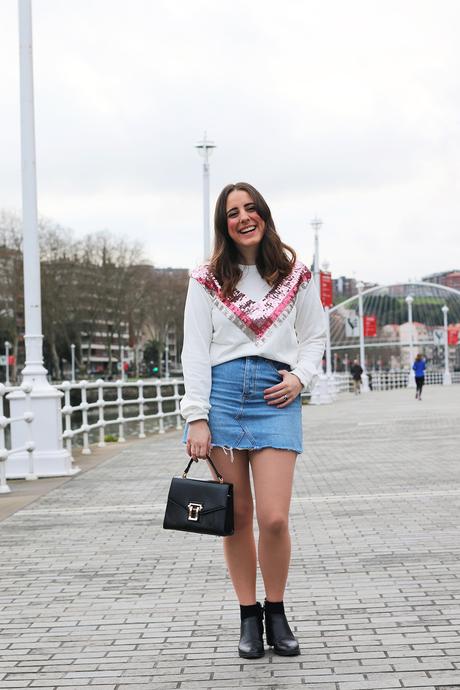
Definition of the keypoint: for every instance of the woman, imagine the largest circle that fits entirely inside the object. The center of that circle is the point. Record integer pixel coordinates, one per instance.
(419, 368)
(254, 335)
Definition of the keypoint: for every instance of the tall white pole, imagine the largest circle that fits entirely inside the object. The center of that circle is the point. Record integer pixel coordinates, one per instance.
(34, 370)
(446, 379)
(72, 358)
(328, 342)
(316, 224)
(7, 363)
(206, 222)
(362, 353)
(50, 458)
(411, 382)
(205, 148)
(122, 362)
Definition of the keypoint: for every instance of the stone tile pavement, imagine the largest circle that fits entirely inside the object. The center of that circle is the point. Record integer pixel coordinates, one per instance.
(93, 593)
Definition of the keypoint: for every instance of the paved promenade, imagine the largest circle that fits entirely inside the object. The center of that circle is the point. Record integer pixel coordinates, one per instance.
(93, 593)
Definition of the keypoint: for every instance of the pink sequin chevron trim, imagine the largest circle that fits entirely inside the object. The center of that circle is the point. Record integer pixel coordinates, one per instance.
(256, 318)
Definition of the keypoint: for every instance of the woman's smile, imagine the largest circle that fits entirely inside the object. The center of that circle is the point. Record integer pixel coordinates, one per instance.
(245, 231)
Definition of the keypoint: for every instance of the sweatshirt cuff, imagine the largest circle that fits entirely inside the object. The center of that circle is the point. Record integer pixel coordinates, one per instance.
(196, 417)
(306, 375)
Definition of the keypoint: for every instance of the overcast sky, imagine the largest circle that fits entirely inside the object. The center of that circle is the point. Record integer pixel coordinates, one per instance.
(345, 110)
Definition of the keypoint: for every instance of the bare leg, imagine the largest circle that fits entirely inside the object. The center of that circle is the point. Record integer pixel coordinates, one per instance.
(273, 473)
(240, 548)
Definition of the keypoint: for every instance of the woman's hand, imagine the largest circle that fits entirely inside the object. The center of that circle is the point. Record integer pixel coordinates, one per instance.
(198, 439)
(285, 392)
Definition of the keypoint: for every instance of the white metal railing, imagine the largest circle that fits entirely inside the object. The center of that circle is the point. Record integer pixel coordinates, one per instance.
(389, 380)
(5, 428)
(103, 404)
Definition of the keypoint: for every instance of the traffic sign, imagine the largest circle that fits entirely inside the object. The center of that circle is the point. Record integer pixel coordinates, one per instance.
(351, 324)
(438, 336)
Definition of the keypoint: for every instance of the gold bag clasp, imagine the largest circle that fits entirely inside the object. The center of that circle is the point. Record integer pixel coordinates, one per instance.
(194, 511)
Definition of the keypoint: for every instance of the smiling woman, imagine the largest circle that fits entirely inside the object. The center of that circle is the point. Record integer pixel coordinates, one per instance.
(254, 335)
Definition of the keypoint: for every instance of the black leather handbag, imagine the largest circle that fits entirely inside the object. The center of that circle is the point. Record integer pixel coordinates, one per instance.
(204, 506)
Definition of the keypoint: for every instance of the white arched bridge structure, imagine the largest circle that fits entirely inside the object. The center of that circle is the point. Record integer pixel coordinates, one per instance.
(384, 327)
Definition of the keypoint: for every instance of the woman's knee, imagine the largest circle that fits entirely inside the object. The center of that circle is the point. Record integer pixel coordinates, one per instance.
(275, 524)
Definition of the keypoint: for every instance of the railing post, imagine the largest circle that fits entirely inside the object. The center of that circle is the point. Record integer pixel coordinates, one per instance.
(160, 409)
(84, 417)
(141, 401)
(177, 409)
(100, 406)
(121, 424)
(67, 412)
(28, 418)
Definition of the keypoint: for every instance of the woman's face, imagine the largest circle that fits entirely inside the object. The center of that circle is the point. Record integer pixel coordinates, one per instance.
(245, 227)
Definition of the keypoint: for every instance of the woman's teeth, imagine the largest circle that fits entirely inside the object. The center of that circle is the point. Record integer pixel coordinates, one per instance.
(246, 230)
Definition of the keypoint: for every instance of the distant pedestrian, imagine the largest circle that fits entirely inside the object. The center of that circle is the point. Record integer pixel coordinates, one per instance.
(419, 367)
(356, 372)
(369, 380)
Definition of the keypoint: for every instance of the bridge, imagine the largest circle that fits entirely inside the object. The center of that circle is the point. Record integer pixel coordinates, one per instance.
(95, 594)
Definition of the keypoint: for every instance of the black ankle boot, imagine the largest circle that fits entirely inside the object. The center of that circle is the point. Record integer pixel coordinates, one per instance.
(279, 634)
(251, 644)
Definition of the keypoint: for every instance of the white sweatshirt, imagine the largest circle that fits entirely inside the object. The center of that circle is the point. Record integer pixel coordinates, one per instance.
(285, 324)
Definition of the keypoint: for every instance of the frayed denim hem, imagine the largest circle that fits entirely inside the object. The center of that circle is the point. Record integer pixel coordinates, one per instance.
(228, 449)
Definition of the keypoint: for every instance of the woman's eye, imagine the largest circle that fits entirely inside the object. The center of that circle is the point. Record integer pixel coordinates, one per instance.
(232, 214)
(251, 207)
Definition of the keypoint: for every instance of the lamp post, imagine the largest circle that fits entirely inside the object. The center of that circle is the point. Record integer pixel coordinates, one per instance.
(72, 359)
(205, 148)
(316, 224)
(328, 343)
(50, 458)
(362, 354)
(167, 360)
(446, 379)
(122, 362)
(7, 363)
(411, 382)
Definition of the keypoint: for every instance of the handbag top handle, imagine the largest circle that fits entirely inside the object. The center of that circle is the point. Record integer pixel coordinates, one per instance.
(185, 472)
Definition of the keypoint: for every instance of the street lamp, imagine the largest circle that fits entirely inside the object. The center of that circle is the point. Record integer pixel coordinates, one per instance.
(446, 379)
(316, 224)
(122, 362)
(362, 355)
(205, 149)
(411, 382)
(7, 363)
(72, 355)
(50, 457)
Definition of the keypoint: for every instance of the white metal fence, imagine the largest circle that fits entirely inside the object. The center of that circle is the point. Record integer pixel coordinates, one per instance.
(388, 380)
(91, 409)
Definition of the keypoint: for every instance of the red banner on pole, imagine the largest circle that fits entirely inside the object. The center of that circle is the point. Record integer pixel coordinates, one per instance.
(452, 335)
(325, 281)
(370, 326)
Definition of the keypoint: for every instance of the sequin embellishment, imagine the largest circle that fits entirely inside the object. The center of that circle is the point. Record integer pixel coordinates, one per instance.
(256, 318)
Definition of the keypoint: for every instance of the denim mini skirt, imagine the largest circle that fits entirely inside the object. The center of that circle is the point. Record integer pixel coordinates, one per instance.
(240, 418)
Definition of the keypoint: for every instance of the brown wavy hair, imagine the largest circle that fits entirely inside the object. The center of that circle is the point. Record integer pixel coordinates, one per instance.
(275, 259)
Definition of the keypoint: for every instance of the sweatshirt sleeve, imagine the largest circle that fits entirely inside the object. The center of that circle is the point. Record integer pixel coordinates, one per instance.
(310, 326)
(196, 361)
